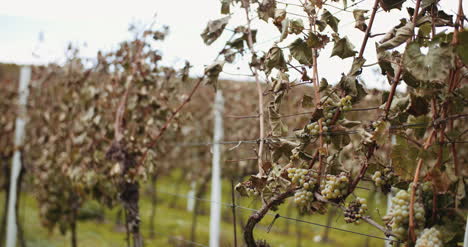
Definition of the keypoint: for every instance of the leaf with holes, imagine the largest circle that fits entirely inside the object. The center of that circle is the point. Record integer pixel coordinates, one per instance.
(435, 66)
(330, 20)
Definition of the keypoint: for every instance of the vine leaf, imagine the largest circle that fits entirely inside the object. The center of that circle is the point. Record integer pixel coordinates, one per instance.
(381, 133)
(275, 59)
(427, 3)
(420, 125)
(296, 26)
(404, 159)
(418, 105)
(387, 5)
(212, 73)
(225, 7)
(317, 41)
(301, 52)
(356, 68)
(348, 123)
(307, 101)
(343, 48)
(400, 104)
(214, 29)
(352, 87)
(397, 36)
(266, 9)
(462, 47)
(360, 19)
(330, 20)
(435, 66)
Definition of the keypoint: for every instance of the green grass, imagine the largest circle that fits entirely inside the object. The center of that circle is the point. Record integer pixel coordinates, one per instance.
(177, 222)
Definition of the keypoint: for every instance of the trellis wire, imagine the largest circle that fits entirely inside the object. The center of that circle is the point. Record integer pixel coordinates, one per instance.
(181, 239)
(329, 133)
(230, 205)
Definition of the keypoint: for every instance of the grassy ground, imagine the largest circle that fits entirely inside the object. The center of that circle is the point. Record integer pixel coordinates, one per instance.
(174, 224)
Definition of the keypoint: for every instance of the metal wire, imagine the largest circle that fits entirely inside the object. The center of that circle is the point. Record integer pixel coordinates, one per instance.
(181, 239)
(229, 205)
(327, 133)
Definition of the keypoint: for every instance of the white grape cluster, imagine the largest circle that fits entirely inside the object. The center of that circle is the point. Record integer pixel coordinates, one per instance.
(303, 197)
(376, 123)
(430, 237)
(380, 178)
(304, 178)
(251, 192)
(345, 103)
(334, 187)
(399, 213)
(355, 210)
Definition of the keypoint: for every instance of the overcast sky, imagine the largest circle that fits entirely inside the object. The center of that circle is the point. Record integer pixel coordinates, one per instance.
(100, 25)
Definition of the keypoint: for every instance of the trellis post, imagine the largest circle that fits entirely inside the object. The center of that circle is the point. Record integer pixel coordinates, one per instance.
(23, 92)
(215, 208)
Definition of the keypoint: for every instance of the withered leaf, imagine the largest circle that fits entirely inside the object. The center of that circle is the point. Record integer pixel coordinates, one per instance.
(214, 29)
(343, 48)
(301, 52)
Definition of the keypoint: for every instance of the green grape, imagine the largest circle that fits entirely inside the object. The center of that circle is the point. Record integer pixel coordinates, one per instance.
(384, 178)
(306, 178)
(303, 197)
(252, 192)
(334, 187)
(399, 213)
(430, 237)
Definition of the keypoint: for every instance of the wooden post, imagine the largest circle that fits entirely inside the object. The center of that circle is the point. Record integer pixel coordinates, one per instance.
(215, 208)
(23, 92)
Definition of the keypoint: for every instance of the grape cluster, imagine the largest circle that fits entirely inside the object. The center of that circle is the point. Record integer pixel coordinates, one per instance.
(251, 192)
(303, 177)
(355, 210)
(334, 187)
(376, 123)
(383, 178)
(399, 213)
(430, 237)
(303, 197)
(345, 103)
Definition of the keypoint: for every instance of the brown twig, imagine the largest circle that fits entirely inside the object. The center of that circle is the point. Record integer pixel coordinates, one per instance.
(163, 129)
(399, 71)
(368, 29)
(414, 186)
(366, 219)
(258, 216)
